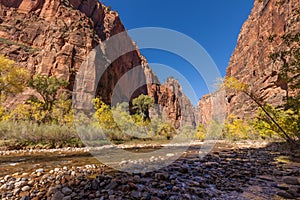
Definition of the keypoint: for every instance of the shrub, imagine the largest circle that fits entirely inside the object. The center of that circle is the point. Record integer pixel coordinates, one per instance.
(26, 133)
(200, 132)
(238, 129)
(289, 120)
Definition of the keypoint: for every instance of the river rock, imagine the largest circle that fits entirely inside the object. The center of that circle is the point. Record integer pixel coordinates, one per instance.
(25, 188)
(291, 180)
(66, 191)
(41, 170)
(285, 195)
(58, 196)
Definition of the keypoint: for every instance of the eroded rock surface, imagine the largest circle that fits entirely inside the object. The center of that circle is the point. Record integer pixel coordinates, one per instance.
(250, 63)
(55, 38)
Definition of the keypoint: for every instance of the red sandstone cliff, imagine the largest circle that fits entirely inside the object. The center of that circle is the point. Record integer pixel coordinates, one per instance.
(250, 62)
(55, 37)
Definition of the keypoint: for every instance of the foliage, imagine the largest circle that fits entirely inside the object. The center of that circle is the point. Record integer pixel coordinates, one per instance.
(142, 103)
(117, 124)
(48, 88)
(214, 130)
(167, 130)
(104, 115)
(200, 132)
(54, 106)
(43, 135)
(237, 129)
(289, 120)
(13, 79)
(232, 83)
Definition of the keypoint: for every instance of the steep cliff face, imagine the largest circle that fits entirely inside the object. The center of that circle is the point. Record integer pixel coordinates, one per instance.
(55, 38)
(250, 63)
(260, 36)
(172, 103)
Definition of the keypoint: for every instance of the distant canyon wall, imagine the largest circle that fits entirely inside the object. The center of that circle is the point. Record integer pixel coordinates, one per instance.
(55, 38)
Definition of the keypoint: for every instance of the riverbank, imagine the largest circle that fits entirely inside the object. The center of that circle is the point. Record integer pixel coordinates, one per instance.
(235, 171)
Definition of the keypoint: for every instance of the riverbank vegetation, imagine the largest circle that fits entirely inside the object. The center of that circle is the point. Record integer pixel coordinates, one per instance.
(46, 119)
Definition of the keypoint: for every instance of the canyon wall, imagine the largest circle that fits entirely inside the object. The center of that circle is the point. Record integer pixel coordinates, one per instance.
(55, 38)
(250, 62)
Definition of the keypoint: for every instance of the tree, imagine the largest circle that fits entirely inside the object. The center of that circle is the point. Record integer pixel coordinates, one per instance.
(48, 88)
(104, 115)
(142, 104)
(13, 79)
(232, 83)
(287, 119)
(236, 128)
(200, 132)
(54, 106)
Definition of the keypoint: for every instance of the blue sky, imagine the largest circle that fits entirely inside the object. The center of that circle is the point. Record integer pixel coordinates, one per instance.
(213, 24)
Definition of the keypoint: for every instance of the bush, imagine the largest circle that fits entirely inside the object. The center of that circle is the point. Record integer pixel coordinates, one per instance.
(26, 133)
(289, 120)
(200, 132)
(238, 129)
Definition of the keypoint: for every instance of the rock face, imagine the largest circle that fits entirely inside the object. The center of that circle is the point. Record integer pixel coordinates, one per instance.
(250, 62)
(60, 37)
(173, 103)
(212, 107)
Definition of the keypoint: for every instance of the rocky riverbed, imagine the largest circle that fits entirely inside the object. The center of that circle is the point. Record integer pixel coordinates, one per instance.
(229, 172)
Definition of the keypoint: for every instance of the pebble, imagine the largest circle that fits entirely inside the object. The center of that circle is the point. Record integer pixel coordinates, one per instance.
(58, 196)
(66, 191)
(225, 175)
(41, 170)
(25, 188)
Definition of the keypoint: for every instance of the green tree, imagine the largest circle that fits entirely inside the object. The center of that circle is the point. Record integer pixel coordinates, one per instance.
(53, 106)
(48, 88)
(142, 104)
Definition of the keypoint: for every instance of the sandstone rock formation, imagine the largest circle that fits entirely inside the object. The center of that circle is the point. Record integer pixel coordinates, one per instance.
(250, 62)
(55, 38)
(172, 102)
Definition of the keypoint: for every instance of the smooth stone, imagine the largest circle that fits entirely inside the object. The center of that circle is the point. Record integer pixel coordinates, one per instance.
(66, 191)
(162, 176)
(41, 170)
(4, 187)
(136, 194)
(25, 188)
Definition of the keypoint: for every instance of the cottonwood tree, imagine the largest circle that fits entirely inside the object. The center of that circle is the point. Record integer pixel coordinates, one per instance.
(142, 104)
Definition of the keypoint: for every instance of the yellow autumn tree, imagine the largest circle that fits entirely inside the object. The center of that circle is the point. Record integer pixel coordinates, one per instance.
(13, 80)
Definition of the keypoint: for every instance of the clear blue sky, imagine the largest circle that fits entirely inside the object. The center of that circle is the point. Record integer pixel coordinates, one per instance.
(214, 24)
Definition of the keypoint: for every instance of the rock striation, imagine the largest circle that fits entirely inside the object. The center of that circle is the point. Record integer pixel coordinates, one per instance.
(56, 38)
(250, 63)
